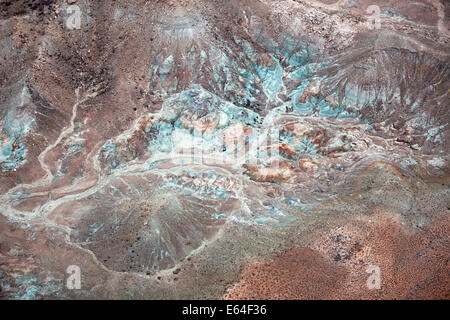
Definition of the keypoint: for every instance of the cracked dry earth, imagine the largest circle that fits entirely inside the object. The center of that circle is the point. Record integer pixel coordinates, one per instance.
(224, 149)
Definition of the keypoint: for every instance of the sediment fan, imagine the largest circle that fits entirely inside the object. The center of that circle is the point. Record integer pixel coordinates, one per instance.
(159, 129)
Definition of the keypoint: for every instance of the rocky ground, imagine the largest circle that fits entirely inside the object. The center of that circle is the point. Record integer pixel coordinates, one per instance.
(224, 149)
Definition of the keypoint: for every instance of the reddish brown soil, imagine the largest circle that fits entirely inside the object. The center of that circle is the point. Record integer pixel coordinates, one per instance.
(413, 265)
